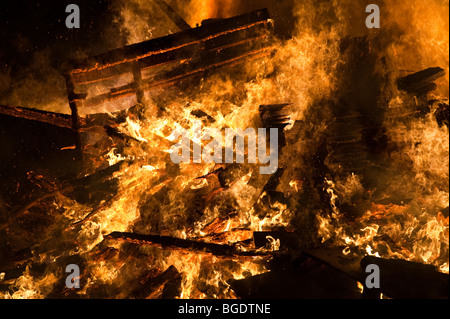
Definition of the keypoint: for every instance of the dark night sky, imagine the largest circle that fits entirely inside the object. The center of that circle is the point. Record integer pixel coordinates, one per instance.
(30, 26)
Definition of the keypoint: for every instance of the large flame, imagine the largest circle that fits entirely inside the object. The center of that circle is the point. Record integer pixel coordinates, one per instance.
(414, 35)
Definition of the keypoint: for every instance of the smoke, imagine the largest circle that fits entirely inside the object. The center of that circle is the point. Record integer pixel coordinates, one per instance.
(419, 34)
(198, 10)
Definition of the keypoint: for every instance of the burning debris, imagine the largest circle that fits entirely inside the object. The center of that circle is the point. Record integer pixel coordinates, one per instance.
(362, 178)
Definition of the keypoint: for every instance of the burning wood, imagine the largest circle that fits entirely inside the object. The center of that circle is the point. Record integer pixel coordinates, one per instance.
(360, 173)
(420, 82)
(178, 243)
(403, 279)
(52, 118)
(399, 279)
(150, 285)
(179, 22)
(225, 42)
(297, 278)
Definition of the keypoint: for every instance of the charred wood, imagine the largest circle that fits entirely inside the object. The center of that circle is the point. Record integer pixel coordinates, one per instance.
(442, 113)
(402, 279)
(273, 182)
(275, 116)
(35, 269)
(348, 264)
(57, 119)
(170, 42)
(203, 115)
(151, 283)
(399, 279)
(112, 131)
(420, 82)
(171, 13)
(83, 182)
(307, 280)
(185, 244)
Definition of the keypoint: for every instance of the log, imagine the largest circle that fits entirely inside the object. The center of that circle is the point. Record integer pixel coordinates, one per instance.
(184, 244)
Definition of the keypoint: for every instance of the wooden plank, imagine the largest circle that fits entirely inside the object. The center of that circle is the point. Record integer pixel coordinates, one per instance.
(171, 42)
(403, 279)
(399, 278)
(57, 119)
(297, 279)
(76, 123)
(171, 13)
(172, 77)
(420, 81)
(184, 244)
(183, 53)
(348, 264)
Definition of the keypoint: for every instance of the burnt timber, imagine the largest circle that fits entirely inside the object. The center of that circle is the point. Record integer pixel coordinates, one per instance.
(190, 53)
(193, 51)
(184, 244)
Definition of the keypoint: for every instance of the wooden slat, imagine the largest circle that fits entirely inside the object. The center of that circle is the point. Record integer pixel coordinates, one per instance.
(171, 42)
(57, 119)
(183, 53)
(169, 79)
(184, 244)
(171, 13)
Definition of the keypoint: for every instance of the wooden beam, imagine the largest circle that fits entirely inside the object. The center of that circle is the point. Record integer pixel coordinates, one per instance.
(57, 119)
(171, 42)
(173, 15)
(171, 78)
(185, 244)
(403, 279)
(420, 81)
